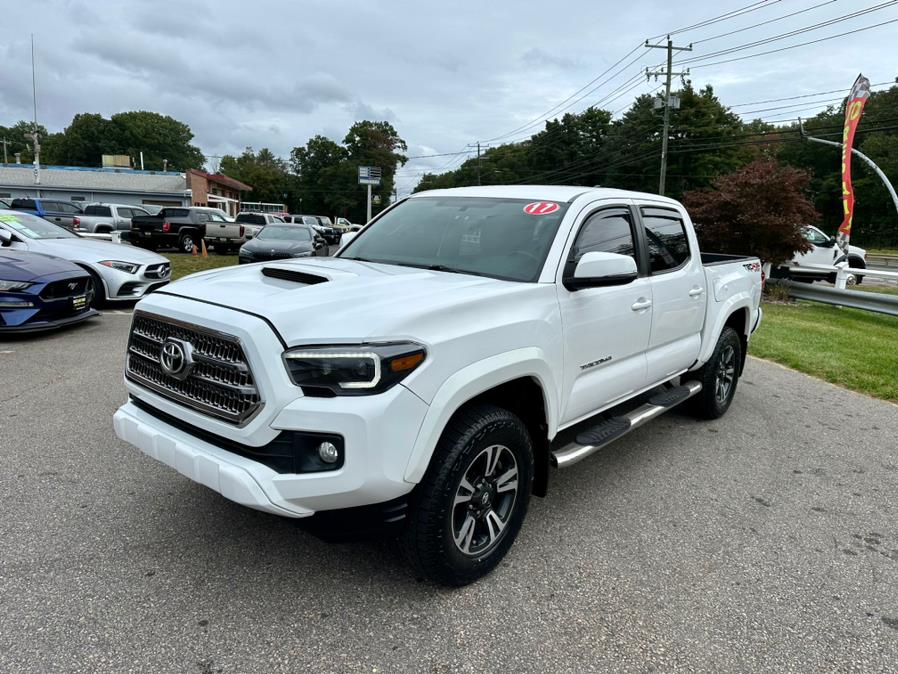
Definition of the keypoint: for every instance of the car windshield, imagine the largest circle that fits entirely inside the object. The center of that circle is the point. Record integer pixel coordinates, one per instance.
(33, 227)
(501, 238)
(281, 233)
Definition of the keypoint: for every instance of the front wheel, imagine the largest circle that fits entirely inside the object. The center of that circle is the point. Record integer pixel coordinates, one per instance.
(719, 377)
(468, 509)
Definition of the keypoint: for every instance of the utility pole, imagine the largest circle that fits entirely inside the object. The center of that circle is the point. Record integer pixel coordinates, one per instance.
(35, 136)
(4, 141)
(477, 145)
(668, 73)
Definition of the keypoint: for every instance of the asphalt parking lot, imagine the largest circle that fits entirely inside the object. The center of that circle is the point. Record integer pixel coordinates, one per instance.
(764, 541)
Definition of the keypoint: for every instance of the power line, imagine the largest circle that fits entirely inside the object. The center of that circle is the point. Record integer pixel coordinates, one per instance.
(791, 33)
(793, 98)
(794, 46)
(764, 23)
(558, 108)
(732, 14)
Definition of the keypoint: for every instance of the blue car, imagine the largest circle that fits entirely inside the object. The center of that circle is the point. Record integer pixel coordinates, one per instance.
(41, 292)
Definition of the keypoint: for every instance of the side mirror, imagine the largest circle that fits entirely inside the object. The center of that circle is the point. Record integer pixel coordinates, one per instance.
(831, 242)
(347, 237)
(597, 269)
(5, 237)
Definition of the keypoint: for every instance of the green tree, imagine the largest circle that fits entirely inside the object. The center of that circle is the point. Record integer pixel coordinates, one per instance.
(266, 173)
(85, 140)
(159, 137)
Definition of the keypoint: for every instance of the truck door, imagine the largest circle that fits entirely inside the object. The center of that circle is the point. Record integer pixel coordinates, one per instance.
(678, 291)
(606, 329)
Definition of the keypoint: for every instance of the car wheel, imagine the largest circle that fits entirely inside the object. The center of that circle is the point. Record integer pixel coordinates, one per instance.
(186, 243)
(719, 377)
(857, 263)
(99, 298)
(468, 509)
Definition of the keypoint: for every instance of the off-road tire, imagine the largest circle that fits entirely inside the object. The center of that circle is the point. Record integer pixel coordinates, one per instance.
(708, 403)
(428, 539)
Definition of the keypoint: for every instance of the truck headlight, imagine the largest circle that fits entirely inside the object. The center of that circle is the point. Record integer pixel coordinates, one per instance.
(15, 285)
(126, 267)
(362, 369)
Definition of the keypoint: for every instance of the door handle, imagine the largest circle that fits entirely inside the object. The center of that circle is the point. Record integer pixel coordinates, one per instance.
(641, 304)
(696, 292)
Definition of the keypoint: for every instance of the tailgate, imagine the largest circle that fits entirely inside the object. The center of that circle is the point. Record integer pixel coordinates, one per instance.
(147, 224)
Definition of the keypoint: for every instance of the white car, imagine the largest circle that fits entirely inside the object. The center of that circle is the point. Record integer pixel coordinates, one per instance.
(823, 253)
(120, 272)
(432, 373)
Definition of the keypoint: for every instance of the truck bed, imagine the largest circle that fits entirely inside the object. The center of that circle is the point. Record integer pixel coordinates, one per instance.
(709, 259)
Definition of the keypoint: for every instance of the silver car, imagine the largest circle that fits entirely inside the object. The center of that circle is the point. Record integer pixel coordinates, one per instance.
(120, 272)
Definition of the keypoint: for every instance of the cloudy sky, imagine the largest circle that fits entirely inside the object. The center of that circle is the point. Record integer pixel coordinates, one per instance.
(446, 74)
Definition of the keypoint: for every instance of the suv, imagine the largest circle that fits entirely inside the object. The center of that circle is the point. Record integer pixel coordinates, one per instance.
(253, 222)
(57, 211)
(432, 374)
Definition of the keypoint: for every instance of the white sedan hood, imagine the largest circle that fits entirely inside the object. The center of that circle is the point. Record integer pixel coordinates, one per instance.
(92, 251)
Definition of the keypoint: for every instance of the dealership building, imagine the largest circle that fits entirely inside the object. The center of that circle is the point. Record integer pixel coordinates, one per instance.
(122, 186)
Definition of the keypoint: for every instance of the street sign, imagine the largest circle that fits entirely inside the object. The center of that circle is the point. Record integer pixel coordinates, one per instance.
(369, 175)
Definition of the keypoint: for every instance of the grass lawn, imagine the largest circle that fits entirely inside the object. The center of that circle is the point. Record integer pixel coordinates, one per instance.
(182, 265)
(866, 287)
(851, 348)
(882, 251)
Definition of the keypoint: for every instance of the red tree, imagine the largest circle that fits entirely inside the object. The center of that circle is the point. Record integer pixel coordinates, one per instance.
(757, 210)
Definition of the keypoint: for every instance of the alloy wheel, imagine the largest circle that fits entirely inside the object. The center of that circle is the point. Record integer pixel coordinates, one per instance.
(726, 374)
(484, 500)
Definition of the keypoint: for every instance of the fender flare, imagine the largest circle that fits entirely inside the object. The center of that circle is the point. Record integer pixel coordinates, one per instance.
(728, 308)
(470, 382)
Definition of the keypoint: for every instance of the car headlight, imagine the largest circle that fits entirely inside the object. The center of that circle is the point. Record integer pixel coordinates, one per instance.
(352, 370)
(126, 267)
(15, 285)
(305, 253)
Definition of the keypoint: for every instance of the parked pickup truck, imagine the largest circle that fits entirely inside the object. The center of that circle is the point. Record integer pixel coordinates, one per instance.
(253, 222)
(434, 372)
(106, 218)
(182, 228)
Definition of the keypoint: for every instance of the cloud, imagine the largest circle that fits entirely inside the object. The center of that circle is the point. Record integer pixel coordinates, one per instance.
(539, 58)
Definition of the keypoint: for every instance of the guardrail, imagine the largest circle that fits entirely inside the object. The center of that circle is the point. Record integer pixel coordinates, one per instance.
(881, 303)
(889, 261)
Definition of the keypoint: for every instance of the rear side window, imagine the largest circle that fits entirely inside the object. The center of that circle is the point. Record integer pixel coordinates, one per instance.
(24, 203)
(607, 231)
(63, 207)
(665, 235)
(99, 210)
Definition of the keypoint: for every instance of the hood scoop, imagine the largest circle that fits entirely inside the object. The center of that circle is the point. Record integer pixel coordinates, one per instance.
(293, 275)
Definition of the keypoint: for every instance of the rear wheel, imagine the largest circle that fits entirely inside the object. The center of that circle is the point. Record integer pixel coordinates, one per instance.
(468, 509)
(186, 243)
(719, 377)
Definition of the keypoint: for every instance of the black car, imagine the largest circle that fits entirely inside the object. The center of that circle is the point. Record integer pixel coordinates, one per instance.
(41, 292)
(279, 242)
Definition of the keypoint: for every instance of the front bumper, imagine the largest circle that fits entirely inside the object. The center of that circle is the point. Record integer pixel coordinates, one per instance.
(48, 324)
(122, 286)
(378, 432)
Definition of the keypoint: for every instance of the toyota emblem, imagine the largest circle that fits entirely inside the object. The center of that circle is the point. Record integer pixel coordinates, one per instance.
(176, 358)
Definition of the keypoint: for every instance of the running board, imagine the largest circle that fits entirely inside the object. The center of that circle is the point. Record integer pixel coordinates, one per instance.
(592, 440)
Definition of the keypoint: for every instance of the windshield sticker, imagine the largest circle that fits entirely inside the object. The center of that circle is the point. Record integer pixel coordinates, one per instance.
(541, 208)
(13, 222)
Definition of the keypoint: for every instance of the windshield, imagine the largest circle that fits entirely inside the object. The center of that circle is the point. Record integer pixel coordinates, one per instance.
(500, 238)
(279, 233)
(33, 227)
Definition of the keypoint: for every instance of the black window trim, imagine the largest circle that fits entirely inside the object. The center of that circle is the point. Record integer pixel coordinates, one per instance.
(645, 242)
(639, 245)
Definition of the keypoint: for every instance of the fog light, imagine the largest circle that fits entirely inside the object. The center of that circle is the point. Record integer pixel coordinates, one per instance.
(328, 452)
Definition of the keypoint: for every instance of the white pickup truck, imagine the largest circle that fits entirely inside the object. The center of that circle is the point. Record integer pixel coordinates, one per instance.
(434, 372)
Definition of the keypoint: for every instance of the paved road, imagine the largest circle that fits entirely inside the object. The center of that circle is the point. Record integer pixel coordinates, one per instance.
(767, 540)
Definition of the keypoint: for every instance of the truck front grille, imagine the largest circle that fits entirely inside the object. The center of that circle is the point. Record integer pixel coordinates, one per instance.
(214, 379)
